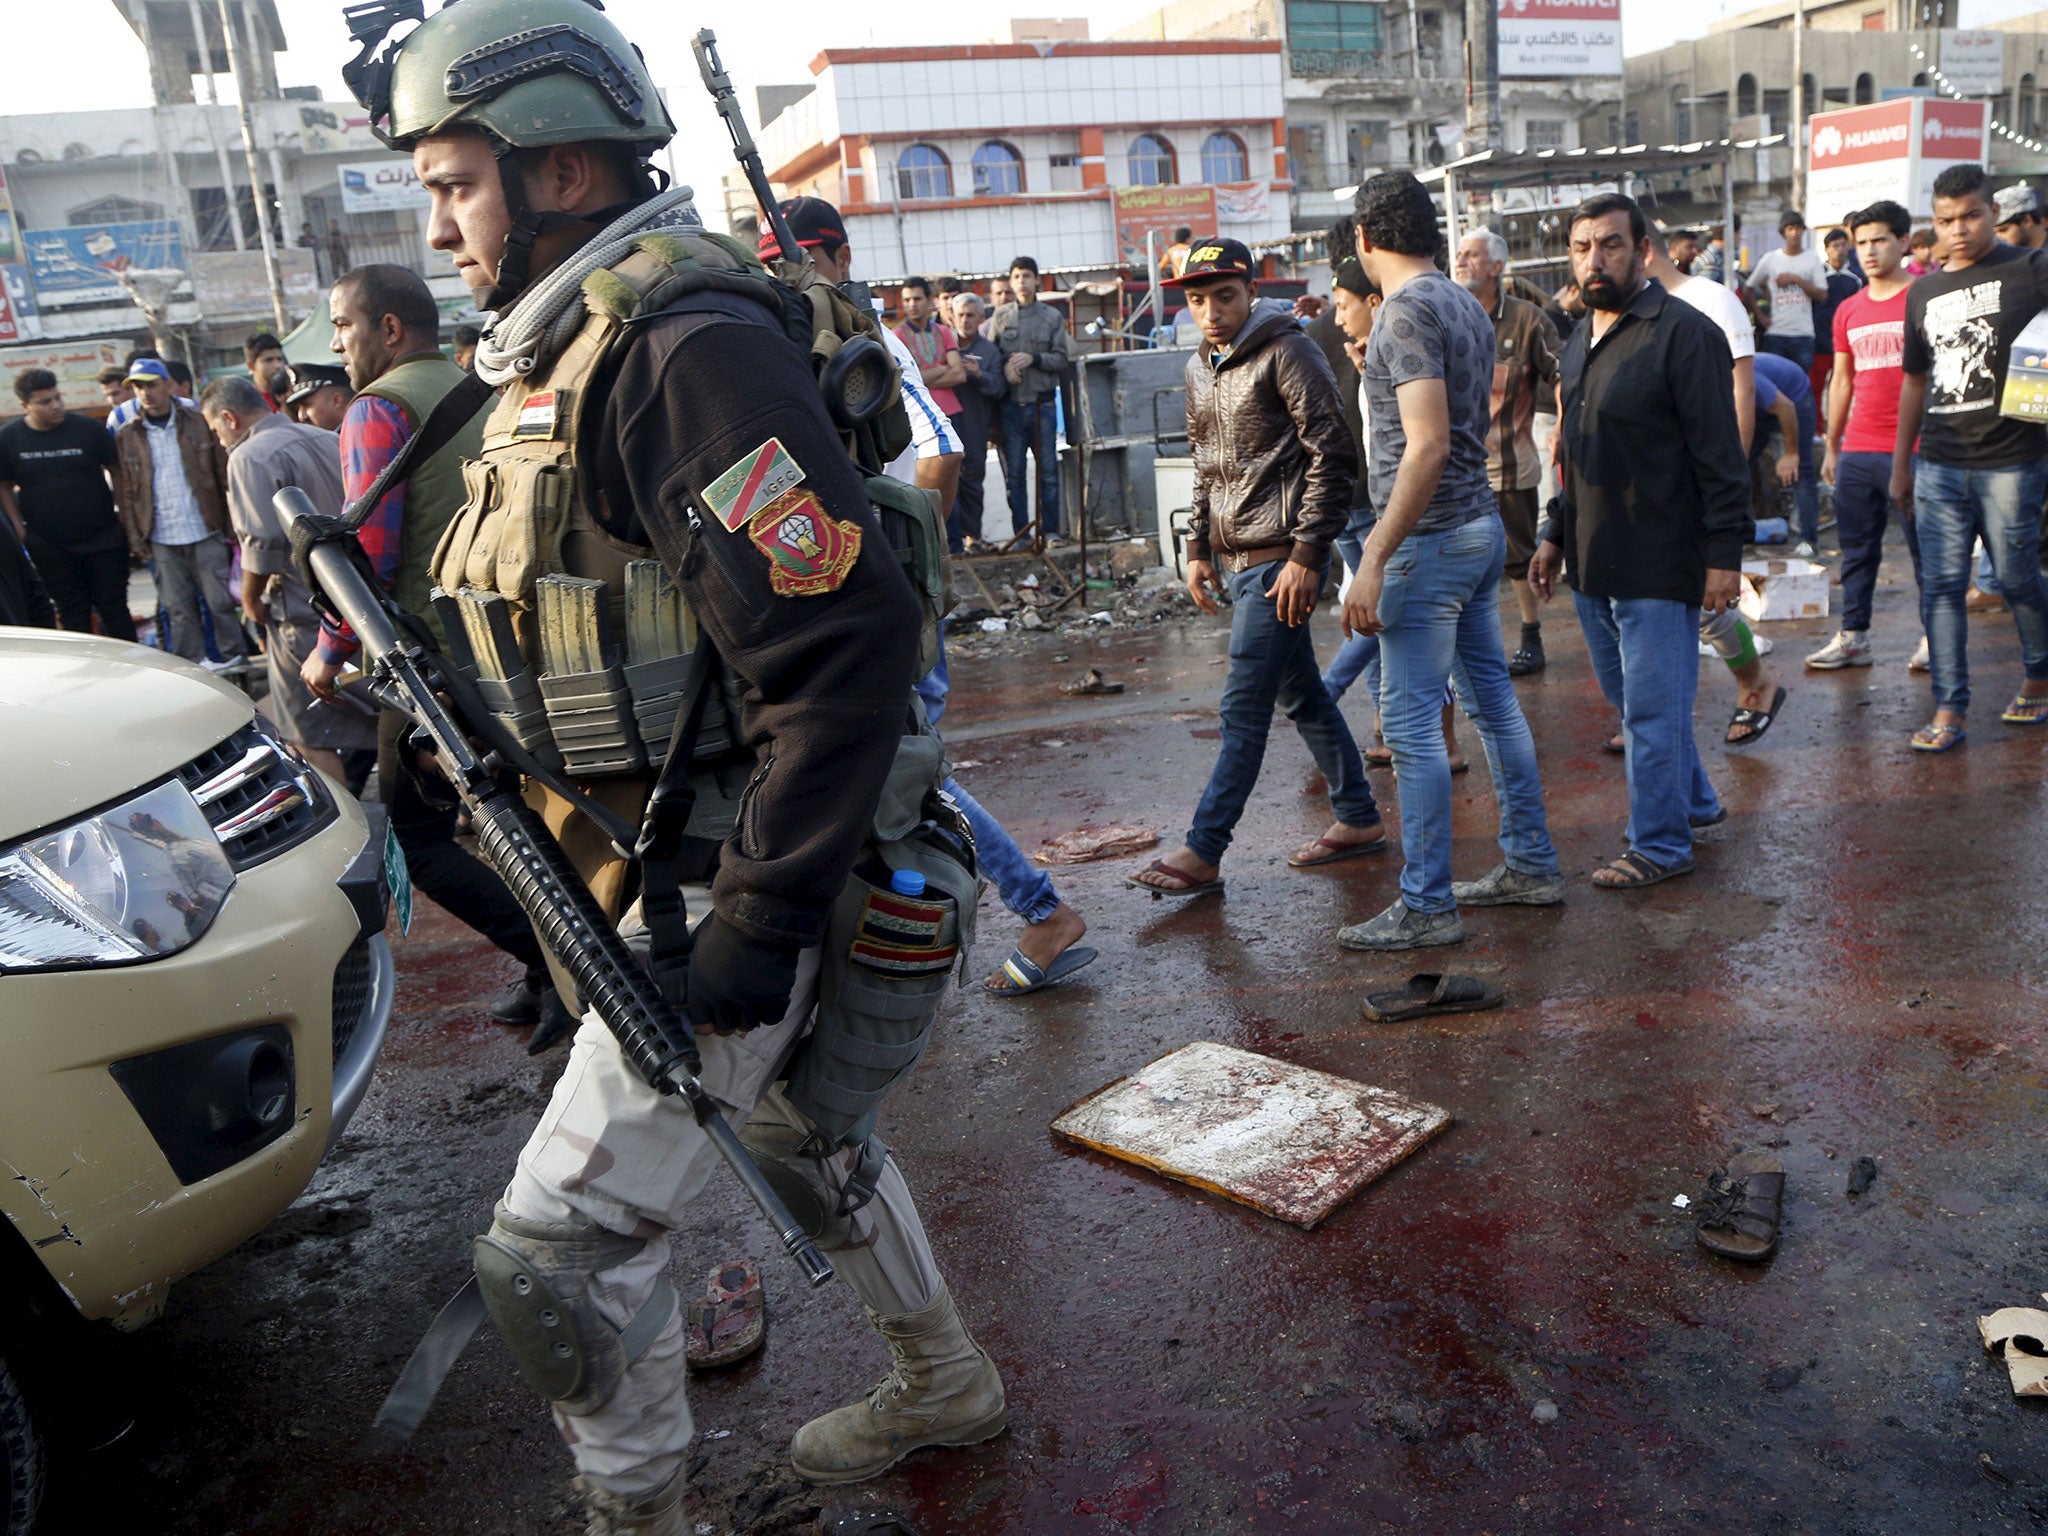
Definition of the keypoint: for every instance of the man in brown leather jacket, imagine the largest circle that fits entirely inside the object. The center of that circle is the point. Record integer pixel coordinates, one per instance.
(1274, 465)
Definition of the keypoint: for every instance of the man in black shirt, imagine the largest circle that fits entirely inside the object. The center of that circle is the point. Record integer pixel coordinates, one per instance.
(53, 485)
(1650, 524)
(1978, 474)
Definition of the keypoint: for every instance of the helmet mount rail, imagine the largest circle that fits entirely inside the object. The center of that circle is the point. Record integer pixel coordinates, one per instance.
(490, 69)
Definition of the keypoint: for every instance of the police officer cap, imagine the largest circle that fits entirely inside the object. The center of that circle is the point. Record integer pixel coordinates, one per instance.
(309, 379)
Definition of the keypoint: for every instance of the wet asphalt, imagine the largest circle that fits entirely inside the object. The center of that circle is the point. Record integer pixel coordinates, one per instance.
(1856, 969)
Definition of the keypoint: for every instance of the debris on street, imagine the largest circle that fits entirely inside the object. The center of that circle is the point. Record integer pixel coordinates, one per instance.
(1862, 1176)
(1290, 1141)
(1089, 684)
(2020, 1334)
(1084, 845)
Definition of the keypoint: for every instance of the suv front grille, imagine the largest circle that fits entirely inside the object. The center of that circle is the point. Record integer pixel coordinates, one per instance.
(351, 994)
(260, 799)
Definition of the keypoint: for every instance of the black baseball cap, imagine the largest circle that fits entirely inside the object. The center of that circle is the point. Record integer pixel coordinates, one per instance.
(1212, 259)
(811, 219)
(309, 378)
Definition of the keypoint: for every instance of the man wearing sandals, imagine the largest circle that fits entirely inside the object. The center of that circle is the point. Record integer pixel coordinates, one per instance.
(1428, 578)
(1978, 474)
(1649, 527)
(1273, 472)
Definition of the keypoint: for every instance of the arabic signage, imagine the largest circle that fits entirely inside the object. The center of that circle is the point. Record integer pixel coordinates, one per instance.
(1159, 210)
(1243, 202)
(1974, 62)
(1890, 150)
(75, 266)
(20, 294)
(1559, 39)
(373, 186)
(77, 365)
(336, 128)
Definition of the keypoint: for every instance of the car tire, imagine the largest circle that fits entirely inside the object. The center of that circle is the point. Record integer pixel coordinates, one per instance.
(21, 1461)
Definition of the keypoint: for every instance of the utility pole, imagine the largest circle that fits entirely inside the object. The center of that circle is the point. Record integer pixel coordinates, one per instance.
(1482, 75)
(220, 151)
(240, 68)
(1799, 105)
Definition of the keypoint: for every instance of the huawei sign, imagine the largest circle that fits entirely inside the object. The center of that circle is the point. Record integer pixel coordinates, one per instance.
(1882, 131)
(1952, 141)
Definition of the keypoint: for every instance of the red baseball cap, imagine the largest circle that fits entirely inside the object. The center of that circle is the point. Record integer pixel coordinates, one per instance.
(811, 219)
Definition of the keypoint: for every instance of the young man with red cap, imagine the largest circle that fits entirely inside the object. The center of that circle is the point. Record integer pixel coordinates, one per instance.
(1274, 465)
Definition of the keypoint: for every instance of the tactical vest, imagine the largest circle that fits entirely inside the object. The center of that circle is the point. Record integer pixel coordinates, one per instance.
(581, 640)
(433, 489)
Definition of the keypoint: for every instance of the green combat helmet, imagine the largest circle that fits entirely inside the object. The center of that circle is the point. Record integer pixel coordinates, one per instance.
(525, 73)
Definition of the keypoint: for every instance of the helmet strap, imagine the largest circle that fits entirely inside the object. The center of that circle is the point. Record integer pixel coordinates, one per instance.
(515, 262)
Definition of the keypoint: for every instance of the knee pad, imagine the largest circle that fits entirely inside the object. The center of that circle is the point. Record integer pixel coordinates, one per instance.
(822, 1193)
(535, 1278)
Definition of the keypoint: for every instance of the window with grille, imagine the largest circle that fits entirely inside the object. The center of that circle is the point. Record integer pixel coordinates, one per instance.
(922, 171)
(1543, 133)
(998, 170)
(1333, 37)
(1151, 161)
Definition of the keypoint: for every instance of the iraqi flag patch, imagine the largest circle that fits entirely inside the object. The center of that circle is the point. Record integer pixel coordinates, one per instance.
(903, 936)
(744, 488)
(536, 416)
(808, 550)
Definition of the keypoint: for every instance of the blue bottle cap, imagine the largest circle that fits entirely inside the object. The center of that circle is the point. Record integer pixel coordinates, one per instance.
(906, 882)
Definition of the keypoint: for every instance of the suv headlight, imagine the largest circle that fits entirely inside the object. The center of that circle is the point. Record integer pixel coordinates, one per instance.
(138, 881)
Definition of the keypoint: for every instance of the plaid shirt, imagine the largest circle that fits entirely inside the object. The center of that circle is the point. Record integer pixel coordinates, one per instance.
(371, 434)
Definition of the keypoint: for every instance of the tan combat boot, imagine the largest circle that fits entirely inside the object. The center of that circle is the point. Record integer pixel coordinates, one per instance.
(944, 1390)
(652, 1514)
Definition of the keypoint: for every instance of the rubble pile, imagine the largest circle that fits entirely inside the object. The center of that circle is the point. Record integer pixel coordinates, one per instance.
(1034, 603)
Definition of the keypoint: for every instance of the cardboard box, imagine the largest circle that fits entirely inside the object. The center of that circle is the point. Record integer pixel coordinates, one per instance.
(2026, 373)
(1783, 589)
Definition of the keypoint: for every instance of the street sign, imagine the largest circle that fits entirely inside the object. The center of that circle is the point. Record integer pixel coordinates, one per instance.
(1559, 39)
(1974, 62)
(1890, 150)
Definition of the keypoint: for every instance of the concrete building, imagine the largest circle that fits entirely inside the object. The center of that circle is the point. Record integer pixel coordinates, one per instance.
(1372, 87)
(1737, 82)
(165, 190)
(955, 159)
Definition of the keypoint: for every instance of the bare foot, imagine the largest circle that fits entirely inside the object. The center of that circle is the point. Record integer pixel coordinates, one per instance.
(1044, 943)
(1181, 862)
(1338, 836)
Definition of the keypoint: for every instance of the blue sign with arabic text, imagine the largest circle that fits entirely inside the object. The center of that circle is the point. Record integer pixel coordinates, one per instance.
(77, 265)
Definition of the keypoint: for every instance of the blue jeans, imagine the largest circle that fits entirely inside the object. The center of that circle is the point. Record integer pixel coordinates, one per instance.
(1863, 505)
(1954, 507)
(1360, 655)
(1026, 889)
(1806, 495)
(1271, 663)
(1645, 655)
(1441, 611)
(1031, 426)
(1798, 348)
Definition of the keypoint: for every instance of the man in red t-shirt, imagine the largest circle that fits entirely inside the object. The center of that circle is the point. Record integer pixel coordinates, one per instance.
(1863, 423)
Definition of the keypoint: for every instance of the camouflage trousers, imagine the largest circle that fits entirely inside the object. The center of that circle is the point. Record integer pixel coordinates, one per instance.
(612, 1152)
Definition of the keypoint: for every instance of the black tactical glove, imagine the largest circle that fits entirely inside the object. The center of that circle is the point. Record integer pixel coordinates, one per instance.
(736, 982)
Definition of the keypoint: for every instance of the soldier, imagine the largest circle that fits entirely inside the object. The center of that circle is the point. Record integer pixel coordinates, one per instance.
(660, 400)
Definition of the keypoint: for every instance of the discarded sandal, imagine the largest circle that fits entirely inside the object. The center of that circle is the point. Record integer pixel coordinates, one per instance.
(1328, 852)
(1090, 683)
(1431, 993)
(1738, 1214)
(1189, 885)
(1026, 977)
(729, 1321)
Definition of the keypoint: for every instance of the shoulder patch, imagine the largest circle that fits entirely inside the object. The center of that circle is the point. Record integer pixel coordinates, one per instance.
(809, 552)
(745, 487)
(536, 415)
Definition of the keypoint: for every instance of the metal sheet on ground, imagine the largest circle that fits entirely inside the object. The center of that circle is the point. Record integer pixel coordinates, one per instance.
(1291, 1141)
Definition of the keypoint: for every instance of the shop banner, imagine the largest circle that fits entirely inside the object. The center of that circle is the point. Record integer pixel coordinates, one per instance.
(1559, 39)
(75, 266)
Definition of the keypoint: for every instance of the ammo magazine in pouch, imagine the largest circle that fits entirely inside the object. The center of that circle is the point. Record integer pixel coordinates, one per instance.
(900, 927)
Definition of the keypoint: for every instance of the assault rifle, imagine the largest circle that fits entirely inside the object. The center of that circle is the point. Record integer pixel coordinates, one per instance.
(408, 674)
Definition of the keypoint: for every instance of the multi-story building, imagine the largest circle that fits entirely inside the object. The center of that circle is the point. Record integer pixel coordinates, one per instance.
(165, 190)
(958, 158)
(1737, 82)
(1372, 86)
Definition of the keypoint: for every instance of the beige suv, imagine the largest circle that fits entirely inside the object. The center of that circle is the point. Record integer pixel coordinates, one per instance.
(194, 986)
